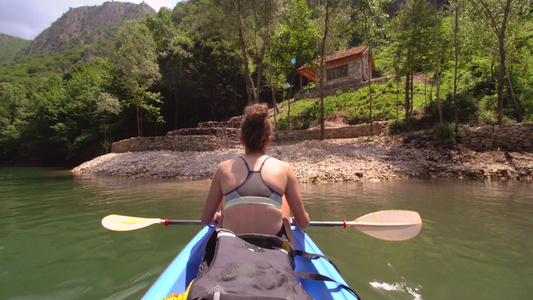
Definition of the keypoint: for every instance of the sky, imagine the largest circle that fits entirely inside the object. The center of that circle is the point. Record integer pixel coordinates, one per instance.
(28, 18)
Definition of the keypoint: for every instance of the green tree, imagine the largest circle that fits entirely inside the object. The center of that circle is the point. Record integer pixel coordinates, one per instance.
(211, 84)
(173, 47)
(12, 104)
(106, 105)
(13, 107)
(456, 8)
(412, 40)
(39, 141)
(334, 20)
(368, 19)
(138, 70)
(295, 44)
(253, 22)
(437, 76)
(500, 17)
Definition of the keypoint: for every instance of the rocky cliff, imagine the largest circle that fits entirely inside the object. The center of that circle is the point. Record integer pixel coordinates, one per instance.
(87, 25)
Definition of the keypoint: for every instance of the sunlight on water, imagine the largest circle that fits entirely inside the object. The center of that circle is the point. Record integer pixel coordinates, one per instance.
(397, 287)
(402, 288)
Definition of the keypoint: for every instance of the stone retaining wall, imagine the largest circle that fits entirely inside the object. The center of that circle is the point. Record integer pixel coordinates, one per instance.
(233, 122)
(173, 143)
(209, 139)
(231, 133)
(517, 136)
(332, 133)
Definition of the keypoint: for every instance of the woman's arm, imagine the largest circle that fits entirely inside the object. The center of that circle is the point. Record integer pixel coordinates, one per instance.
(210, 214)
(294, 199)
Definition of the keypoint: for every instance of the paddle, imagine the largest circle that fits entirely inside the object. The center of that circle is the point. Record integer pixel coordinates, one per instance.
(389, 225)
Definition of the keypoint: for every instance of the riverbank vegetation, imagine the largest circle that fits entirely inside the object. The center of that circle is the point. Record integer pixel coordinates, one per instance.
(451, 62)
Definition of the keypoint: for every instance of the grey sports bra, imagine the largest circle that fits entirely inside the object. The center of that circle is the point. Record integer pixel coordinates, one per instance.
(253, 190)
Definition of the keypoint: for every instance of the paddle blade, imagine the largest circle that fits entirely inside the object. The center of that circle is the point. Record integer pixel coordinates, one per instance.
(125, 223)
(390, 225)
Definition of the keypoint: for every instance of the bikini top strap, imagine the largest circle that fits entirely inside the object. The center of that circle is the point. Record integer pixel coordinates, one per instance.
(248, 168)
(245, 163)
(261, 168)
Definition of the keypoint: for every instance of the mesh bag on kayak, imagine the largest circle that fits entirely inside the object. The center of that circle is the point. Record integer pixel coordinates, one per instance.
(246, 267)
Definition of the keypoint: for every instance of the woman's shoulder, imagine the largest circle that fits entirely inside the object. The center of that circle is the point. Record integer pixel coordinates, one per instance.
(278, 163)
(229, 164)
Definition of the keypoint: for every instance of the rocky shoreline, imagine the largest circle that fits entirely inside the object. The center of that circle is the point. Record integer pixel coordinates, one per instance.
(334, 160)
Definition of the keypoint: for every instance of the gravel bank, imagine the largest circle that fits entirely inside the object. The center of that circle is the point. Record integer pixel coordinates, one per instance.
(341, 160)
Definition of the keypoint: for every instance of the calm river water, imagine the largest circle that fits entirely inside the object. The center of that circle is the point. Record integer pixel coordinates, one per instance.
(477, 240)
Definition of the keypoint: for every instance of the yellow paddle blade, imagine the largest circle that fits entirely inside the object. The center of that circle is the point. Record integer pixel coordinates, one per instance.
(125, 223)
(389, 225)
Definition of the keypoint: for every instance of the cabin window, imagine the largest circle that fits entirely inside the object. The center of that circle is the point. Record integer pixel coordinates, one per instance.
(338, 72)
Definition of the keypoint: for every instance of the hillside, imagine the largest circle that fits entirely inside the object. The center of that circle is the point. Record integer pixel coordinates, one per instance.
(10, 46)
(87, 25)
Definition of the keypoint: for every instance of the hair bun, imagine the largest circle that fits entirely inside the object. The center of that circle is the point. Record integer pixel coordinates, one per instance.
(256, 114)
(255, 129)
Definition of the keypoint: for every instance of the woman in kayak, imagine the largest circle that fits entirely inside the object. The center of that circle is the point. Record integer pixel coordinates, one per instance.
(257, 192)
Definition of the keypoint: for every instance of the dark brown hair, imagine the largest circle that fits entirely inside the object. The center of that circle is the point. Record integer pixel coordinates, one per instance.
(255, 128)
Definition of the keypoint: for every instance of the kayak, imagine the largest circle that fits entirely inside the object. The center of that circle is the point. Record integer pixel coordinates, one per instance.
(182, 270)
(388, 225)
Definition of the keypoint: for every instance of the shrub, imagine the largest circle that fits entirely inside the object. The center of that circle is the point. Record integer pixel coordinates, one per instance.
(444, 134)
(403, 125)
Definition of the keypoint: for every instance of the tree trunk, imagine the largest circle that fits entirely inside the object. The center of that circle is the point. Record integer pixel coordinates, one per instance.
(500, 33)
(105, 137)
(455, 30)
(322, 71)
(138, 121)
(370, 93)
(246, 69)
(406, 103)
(259, 74)
(516, 104)
(437, 62)
(274, 102)
(397, 98)
(411, 104)
(369, 75)
(501, 74)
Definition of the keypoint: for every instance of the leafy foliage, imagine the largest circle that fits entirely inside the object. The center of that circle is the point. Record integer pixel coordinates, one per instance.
(353, 105)
(10, 48)
(445, 134)
(182, 66)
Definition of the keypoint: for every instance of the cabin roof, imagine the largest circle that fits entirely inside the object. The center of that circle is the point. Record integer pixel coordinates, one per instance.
(337, 58)
(356, 51)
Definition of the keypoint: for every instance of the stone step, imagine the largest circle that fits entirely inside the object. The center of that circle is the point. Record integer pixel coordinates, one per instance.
(221, 132)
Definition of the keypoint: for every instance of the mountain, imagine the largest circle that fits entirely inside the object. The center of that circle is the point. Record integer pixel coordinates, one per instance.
(6, 38)
(87, 25)
(10, 46)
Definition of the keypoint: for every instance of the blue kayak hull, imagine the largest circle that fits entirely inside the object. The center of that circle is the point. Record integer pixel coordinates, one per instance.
(182, 270)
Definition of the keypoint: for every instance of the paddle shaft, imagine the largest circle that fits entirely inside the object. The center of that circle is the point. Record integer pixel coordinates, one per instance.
(312, 223)
(344, 224)
(181, 222)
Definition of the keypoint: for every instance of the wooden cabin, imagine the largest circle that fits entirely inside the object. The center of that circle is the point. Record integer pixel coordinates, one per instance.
(342, 68)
